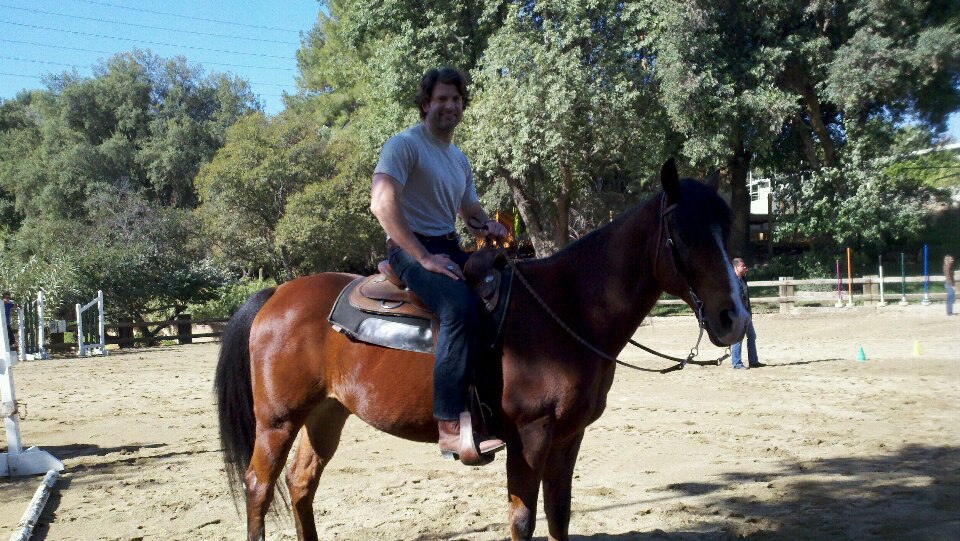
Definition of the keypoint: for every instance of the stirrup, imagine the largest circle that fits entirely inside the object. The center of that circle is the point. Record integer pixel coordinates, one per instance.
(470, 453)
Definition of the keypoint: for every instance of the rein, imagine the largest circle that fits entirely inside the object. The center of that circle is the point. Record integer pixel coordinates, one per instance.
(681, 362)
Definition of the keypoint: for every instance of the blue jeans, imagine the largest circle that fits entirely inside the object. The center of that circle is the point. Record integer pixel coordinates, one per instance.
(454, 304)
(751, 340)
(951, 296)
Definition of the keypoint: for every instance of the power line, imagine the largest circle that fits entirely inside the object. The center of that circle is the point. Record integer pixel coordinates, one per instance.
(114, 52)
(126, 23)
(40, 61)
(188, 17)
(41, 78)
(18, 59)
(20, 75)
(143, 41)
(55, 46)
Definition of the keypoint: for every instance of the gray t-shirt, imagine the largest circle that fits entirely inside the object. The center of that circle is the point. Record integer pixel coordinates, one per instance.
(435, 176)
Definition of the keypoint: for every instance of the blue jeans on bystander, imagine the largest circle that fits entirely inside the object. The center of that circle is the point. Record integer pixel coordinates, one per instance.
(751, 339)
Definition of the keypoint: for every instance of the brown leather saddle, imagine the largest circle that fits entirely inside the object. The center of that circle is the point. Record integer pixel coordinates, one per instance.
(380, 310)
(385, 293)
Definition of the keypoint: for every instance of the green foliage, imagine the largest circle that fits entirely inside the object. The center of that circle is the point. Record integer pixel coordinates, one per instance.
(561, 106)
(228, 299)
(144, 256)
(58, 278)
(246, 188)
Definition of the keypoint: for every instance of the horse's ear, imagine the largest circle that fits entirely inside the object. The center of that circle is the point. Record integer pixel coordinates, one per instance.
(670, 180)
(713, 181)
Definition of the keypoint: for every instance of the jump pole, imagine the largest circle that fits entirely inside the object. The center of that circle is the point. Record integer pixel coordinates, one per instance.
(926, 279)
(839, 303)
(16, 461)
(882, 302)
(32, 514)
(849, 279)
(903, 283)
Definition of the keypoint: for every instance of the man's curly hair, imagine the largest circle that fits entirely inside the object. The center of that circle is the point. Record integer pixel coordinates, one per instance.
(445, 75)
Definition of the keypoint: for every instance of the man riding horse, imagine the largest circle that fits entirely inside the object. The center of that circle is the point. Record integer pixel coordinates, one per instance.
(420, 184)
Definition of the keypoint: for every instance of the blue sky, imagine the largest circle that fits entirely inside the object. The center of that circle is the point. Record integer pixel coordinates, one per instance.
(256, 40)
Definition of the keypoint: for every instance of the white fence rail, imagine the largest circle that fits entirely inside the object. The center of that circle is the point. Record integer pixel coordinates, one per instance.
(866, 291)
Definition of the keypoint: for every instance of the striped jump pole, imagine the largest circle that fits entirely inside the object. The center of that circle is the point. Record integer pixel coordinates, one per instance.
(926, 279)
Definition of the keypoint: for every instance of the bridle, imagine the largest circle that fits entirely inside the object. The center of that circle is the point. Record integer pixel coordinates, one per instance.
(663, 231)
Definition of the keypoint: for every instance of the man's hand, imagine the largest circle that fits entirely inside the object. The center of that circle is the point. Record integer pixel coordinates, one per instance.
(442, 264)
(496, 229)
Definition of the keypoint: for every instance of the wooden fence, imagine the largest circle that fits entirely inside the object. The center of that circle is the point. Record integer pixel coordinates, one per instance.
(182, 330)
(866, 291)
(790, 293)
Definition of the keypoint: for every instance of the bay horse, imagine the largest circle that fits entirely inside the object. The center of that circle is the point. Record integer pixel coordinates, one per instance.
(282, 369)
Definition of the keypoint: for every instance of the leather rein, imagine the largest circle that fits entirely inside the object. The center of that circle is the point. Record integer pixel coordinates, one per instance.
(678, 263)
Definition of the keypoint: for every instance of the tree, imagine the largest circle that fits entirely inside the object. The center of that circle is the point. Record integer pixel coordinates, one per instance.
(143, 256)
(96, 175)
(717, 64)
(245, 189)
(562, 105)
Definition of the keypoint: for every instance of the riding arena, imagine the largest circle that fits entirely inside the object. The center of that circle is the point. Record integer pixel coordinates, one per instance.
(817, 444)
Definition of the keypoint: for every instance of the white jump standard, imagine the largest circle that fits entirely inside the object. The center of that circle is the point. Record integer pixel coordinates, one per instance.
(16, 461)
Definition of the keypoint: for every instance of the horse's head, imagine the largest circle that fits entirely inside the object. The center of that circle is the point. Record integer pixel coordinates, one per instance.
(692, 260)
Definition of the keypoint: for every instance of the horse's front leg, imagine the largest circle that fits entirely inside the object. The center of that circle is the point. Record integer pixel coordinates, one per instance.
(525, 462)
(557, 483)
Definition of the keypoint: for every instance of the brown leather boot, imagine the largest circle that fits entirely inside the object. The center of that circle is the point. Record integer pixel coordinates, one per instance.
(457, 441)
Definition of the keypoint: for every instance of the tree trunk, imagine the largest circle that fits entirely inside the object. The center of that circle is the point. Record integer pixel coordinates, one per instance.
(816, 121)
(532, 214)
(801, 129)
(738, 165)
(563, 207)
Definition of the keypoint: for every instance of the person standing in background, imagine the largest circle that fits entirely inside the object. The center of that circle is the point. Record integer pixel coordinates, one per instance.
(740, 269)
(8, 306)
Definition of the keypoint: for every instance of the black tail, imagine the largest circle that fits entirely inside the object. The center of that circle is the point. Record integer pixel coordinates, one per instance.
(235, 393)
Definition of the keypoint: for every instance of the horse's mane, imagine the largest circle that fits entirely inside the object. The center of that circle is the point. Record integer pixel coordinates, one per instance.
(701, 206)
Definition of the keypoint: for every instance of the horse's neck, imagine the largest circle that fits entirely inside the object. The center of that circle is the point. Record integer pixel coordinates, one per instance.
(606, 280)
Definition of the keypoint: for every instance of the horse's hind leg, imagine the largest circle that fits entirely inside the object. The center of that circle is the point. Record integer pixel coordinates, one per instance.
(557, 484)
(269, 456)
(318, 442)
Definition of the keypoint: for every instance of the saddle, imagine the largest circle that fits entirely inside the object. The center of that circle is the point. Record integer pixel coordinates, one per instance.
(379, 309)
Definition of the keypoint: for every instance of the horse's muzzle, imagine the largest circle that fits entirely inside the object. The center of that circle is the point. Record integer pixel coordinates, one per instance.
(728, 328)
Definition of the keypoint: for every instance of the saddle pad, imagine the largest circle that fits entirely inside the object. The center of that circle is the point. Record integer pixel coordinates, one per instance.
(411, 333)
(397, 332)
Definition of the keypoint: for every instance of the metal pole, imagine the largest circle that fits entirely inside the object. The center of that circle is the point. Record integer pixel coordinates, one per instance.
(903, 283)
(41, 329)
(81, 350)
(21, 336)
(103, 336)
(926, 279)
(882, 302)
(849, 279)
(839, 303)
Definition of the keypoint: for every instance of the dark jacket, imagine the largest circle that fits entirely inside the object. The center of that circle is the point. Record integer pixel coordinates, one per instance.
(745, 294)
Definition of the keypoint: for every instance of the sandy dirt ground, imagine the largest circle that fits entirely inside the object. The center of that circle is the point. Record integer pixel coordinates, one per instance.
(814, 446)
